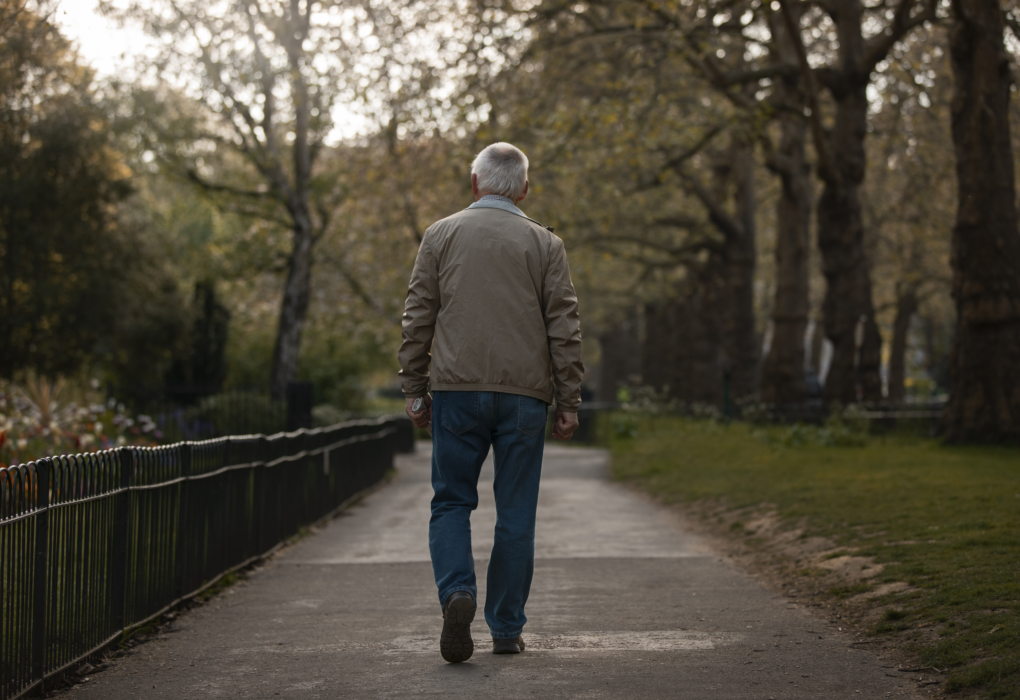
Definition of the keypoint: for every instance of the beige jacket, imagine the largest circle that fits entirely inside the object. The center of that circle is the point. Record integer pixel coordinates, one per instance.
(491, 297)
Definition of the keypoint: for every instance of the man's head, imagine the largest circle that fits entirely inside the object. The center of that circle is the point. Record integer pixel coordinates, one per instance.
(500, 169)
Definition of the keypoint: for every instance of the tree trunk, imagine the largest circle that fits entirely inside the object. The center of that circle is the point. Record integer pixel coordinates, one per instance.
(699, 369)
(906, 307)
(660, 353)
(682, 343)
(854, 372)
(742, 354)
(293, 309)
(698, 373)
(847, 296)
(984, 403)
(782, 379)
(848, 299)
(621, 357)
(782, 374)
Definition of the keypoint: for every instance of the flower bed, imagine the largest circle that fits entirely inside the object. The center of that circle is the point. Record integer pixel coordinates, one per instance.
(36, 422)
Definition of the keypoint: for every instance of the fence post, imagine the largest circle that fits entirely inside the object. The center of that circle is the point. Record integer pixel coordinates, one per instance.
(299, 405)
(259, 507)
(121, 528)
(42, 504)
(223, 483)
(180, 553)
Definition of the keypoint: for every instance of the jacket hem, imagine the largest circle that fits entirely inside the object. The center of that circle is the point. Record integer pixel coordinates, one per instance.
(503, 388)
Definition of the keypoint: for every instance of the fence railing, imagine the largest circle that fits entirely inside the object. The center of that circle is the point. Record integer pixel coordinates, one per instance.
(93, 545)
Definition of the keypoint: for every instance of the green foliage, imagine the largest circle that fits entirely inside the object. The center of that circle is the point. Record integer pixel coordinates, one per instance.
(148, 330)
(250, 353)
(844, 427)
(201, 360)
(233, 413)
(325, 415)
(625, 426)
(942, 519)
(338, 365)
(64, 272)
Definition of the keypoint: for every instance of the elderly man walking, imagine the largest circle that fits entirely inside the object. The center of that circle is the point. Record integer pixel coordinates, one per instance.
(491, 297)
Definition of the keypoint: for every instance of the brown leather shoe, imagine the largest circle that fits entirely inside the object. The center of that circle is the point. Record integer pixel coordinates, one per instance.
(456, 644)
(508, 646)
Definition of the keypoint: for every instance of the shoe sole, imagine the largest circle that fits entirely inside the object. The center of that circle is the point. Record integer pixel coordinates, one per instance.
(456, 644)
(512, 648)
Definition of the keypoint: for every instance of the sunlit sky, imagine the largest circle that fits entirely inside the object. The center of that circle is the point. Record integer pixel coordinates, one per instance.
(113, 50)
(103, 45)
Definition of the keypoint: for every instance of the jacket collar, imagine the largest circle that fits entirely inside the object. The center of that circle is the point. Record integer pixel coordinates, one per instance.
(504, 203)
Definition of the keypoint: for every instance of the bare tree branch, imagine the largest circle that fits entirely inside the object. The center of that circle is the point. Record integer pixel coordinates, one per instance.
(726, 224)
(197, 179)
(673, 251)
(822, 147)
(353, 283)
(10, 19)
(877, 47)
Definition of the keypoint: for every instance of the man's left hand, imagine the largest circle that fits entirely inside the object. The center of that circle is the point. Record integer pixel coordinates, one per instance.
(564, 425)
(423, 418)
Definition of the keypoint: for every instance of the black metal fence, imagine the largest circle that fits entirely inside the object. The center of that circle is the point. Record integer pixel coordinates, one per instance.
(93, 545)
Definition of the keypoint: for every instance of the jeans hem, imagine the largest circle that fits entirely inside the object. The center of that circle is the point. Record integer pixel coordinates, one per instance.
(443, 599)
(515, 635)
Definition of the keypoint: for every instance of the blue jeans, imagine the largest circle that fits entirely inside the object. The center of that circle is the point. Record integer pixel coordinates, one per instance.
(464, 425)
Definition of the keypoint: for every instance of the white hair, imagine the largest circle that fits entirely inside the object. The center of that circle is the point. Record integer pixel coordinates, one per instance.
(501, 169)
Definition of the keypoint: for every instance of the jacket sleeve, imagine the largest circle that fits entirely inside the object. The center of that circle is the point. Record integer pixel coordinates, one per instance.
(419, 322)
(563, 329)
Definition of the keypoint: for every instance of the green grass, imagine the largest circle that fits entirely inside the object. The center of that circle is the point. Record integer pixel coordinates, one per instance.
(946, 520)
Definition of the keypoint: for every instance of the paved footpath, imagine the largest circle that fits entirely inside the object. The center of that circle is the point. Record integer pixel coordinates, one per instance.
(625, 604)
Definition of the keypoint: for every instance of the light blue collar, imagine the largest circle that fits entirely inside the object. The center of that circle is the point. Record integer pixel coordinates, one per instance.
(494, 201)
(491, 201)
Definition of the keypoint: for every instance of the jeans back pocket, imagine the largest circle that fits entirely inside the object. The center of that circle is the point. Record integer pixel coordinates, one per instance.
(459, 411)
(532, 415)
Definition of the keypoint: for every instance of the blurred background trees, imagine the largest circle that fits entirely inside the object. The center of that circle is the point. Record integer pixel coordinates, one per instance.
(64, 250)
(760, 199)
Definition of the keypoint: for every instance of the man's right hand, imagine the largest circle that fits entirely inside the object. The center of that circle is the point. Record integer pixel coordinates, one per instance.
(564, 425)
(423, 418)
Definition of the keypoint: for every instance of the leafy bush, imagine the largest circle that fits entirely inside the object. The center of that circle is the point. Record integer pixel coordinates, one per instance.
(337, 364)
(844, 427)
(235, 412)
(645, 399)
(325, 415)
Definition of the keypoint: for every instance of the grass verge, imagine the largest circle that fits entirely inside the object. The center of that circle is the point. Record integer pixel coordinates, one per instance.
(943, 520)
